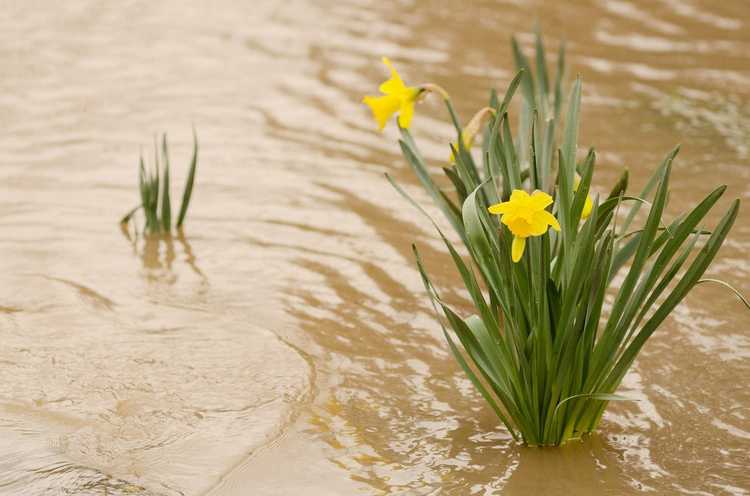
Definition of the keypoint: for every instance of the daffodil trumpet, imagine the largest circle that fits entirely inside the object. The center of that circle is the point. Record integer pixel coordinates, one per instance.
(540, 345)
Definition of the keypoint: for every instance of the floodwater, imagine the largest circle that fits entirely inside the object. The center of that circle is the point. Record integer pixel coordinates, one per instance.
(284, 345)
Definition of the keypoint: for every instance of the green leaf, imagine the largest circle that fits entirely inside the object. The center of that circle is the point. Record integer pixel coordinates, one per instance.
(570, 132)
(594, 396)
(650, 185)
(166, 206)
(457, 183)
(522, 65)
(457, 354)
(612, 333)
(414, 159)
(736, 291)
(689, 279)
(126, 218)
(188, 191)
(511, 159)
(558, 80)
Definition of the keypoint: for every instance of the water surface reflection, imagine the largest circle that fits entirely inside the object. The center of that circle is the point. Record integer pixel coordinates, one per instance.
(284, 343)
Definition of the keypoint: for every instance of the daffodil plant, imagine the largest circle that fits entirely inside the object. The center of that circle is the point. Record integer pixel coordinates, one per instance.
(541, 346)
(154, 186)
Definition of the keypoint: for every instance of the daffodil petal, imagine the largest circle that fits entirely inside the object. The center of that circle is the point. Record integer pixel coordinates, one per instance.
(500, 208)
(405, 114)
(394, 85)
(541, 199)
(518, 195)
(519, 244)
(383, 107)
(539, 224)
(550, 219)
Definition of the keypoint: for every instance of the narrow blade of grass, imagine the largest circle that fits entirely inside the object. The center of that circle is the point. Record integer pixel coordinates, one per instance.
(166, 206)
(188, 191)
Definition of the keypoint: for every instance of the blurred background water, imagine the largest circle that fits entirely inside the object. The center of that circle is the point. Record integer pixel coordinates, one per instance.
(284, 344)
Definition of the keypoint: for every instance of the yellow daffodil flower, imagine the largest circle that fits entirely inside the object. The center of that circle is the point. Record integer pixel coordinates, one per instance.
(588, 205)
(525, 215)
(397, 97)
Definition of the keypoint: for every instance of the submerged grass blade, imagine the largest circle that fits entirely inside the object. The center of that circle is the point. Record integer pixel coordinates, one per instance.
(188, 191)
(166, 205)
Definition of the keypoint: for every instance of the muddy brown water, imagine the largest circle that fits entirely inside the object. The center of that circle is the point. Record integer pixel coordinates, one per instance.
(284, 344)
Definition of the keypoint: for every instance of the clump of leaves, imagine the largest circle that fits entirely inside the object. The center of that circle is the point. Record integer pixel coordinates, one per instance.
(154, 188)
(542, 347)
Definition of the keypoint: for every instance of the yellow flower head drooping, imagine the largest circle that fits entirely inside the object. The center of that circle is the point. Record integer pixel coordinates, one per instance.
(471, 130)
(397, 97)
(525, 215)
(588, 205)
